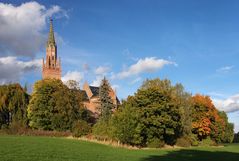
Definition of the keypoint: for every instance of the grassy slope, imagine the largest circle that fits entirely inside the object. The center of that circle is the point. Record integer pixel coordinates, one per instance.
(25, 148)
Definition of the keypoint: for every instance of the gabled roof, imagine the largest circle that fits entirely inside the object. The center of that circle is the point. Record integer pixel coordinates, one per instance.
(94, 90)
(117, 99)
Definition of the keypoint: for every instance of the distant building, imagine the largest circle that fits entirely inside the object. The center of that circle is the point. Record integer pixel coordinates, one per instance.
(51, 68)
(91, 98)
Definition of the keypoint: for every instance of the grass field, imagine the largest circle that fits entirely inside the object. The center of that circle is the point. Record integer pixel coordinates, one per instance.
(26, 148)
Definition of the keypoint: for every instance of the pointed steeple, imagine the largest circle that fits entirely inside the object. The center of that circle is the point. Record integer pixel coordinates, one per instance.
(51, 68)
(51, 38)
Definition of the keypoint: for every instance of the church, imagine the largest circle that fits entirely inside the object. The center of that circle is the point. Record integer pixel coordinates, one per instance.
(51, 69)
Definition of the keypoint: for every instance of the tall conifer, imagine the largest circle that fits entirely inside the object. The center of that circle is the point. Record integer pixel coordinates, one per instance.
(106, 104)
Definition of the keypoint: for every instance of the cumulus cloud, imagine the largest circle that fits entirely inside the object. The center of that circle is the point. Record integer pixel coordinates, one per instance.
(115, 87)
(225, 69)
(11, 69)
(216, 94)
(236, 127)
(73, 75)
(102, 70)
(230, 104)
(97, 81)
(138, 79)
(148, 64)
(21, 29)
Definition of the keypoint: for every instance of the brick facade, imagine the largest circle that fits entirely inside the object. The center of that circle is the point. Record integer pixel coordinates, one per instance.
(51, 68)
(92, 102)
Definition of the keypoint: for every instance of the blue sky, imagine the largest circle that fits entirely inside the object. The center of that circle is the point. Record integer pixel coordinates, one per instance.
(195, 43)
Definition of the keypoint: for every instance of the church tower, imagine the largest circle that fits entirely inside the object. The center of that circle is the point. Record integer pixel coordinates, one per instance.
(51, 68)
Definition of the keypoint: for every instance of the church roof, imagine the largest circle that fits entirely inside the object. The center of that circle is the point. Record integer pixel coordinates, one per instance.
(95, 90)
(51, 38)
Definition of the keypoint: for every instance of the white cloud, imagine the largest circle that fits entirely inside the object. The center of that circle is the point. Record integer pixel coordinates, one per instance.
(11, 69)
(102, 70)
(21, 29)
(148, 64)
(115, 87)
(138, 79)
(73, 75)
(216, 94)
(97, 81)
(225, 69)
(230, 104)
(236, 127)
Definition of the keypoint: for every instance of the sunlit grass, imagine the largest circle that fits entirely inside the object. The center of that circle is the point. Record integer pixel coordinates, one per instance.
(30, 148)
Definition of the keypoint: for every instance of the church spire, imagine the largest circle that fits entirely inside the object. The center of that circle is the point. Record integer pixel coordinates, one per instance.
(51, 38)
(52, 66)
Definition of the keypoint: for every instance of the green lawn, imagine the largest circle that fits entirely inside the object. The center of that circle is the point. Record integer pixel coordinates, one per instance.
(26, 148)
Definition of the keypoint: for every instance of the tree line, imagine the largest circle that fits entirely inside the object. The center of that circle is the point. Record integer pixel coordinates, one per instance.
(158, 113)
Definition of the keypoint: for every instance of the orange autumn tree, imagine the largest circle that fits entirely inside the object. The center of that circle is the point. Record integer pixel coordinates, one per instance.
(205, 118)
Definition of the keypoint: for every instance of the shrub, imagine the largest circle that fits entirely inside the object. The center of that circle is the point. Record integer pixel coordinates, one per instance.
(48, 133)
(207, 142)
(236, 138)
(101, 130)
(194, 140)
(155, 143)
(80, 128)
(183, 141)
(17, 127)
(4, 126)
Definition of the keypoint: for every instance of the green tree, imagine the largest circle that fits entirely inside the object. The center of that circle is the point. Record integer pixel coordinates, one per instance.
(106, 104)
(54, 106)
(72, 84)
(228, 133)
(183, 100)
(160, 117)
(152, 116)
(125, 124)
(102, 129)
(236, 138)
(179, 97)
(13, 104)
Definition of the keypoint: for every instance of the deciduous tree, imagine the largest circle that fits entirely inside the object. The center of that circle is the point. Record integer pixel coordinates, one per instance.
(53, 106)
(13, 104)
